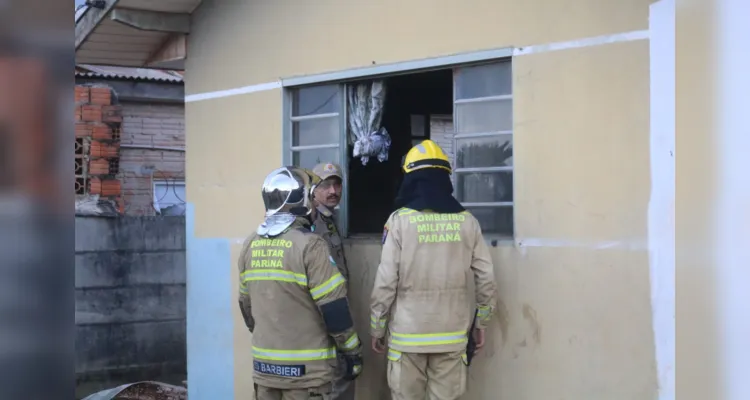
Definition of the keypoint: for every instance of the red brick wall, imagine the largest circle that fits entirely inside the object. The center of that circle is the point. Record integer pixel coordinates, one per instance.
(150, 125)
(98, 124)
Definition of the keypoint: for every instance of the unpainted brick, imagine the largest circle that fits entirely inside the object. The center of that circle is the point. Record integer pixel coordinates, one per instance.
(172, 167)
(99, 167)
(101, 96)
(81, 94)
(83, 129)
(91, 113)
(141, 140)
(149, 125)
(104, 150)
(111, 188)
(101, 132)
(95, 186)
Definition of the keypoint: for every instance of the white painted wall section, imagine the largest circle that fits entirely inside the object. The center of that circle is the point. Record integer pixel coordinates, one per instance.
(733, 205)
(661, 208)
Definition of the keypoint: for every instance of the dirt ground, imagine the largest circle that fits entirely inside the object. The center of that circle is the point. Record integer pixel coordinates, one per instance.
(86, 388)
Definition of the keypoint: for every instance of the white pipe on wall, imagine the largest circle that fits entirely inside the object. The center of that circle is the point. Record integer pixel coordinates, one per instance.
(661, 206)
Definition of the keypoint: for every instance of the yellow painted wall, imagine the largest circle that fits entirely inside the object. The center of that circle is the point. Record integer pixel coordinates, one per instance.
(574, 320)
(698, 347)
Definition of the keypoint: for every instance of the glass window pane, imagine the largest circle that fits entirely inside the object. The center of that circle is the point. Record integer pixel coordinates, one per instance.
(486, 116)
(316, 100)
(483, 187)
(492, 151)
(310, 158)
(315, 131)
(169, 193)
(498, 220)
(484, 80)
(418, 125)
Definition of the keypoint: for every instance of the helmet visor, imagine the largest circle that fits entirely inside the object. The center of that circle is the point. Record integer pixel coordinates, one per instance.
(281, 188)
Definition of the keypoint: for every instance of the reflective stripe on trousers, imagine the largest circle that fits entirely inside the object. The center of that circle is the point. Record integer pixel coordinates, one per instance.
(428, 339)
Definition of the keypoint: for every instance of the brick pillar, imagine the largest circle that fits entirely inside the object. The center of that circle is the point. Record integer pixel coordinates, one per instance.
(97, 147)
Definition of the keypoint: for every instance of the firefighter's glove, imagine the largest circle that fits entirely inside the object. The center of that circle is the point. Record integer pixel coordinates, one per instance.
(353, 360)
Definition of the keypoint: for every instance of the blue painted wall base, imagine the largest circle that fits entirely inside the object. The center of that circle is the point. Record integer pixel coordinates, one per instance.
(210, 339)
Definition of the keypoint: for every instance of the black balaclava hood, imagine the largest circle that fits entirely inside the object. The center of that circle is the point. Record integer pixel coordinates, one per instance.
(428, 189)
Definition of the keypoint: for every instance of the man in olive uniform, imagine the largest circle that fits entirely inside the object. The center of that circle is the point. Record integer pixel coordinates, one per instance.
(327, 196)
(293, 298)
(432, 248)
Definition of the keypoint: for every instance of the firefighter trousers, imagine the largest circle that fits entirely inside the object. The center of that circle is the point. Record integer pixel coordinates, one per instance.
(433, 376)
(267, 393)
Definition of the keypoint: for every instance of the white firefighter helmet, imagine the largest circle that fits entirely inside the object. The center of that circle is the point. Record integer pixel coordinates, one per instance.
(287, 194)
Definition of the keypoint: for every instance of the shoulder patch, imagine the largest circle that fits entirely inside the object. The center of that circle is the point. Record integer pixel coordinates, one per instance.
(385, 233)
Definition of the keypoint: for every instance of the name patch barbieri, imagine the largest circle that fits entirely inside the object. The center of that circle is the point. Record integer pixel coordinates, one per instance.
(287, 371)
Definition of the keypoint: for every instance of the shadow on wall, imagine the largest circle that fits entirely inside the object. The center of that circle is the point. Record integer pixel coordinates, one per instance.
(130, 301)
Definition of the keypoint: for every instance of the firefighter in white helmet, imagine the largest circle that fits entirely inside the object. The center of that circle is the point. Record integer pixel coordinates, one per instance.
(431, 248)
(293, 298)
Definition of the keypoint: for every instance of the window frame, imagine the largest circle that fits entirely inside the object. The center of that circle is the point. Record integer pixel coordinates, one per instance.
(490, 134)
(288, 150)
(455, 61)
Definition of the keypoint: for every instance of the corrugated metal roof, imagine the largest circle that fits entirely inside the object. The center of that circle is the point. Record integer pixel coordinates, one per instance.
(80, 10)
(140, 74)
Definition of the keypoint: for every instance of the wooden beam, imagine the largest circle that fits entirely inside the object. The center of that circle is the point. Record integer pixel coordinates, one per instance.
(172, 49)
(153, 20)
(91, 20)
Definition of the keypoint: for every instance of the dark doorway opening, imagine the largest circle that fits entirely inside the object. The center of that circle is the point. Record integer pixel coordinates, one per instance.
(410, 102)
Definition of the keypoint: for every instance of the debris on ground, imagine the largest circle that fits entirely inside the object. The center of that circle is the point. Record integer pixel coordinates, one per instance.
(142, 391)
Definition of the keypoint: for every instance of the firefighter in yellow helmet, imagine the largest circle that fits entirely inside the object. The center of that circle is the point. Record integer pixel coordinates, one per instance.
(293, 298)
(431, 245)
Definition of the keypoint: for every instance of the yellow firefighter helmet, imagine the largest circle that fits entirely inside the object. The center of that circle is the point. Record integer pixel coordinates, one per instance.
(426, 155)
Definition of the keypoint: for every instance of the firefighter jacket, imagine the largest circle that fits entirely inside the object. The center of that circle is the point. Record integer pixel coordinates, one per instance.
(421, 290)
(325, 226)
(293, 299)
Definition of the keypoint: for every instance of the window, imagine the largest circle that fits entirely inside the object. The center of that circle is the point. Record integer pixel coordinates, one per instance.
(483, 157)
(315, 122)
(466, 109)
(169, 197)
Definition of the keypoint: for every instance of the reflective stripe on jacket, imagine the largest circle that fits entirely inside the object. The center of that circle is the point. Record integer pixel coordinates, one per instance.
(421, 291)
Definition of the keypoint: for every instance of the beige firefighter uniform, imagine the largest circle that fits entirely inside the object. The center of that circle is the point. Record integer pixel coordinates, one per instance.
(293, 299)
(421, 294)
